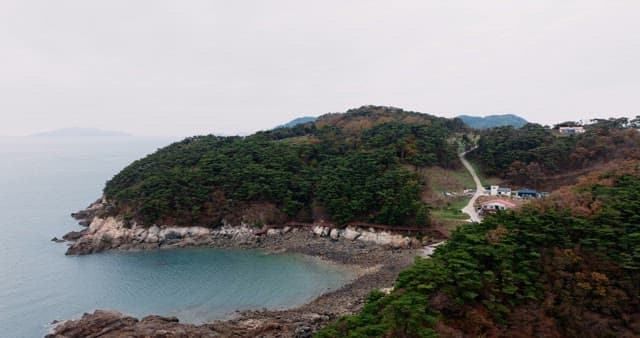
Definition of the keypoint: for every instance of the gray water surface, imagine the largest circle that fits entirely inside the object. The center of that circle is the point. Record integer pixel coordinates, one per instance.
(43, 180)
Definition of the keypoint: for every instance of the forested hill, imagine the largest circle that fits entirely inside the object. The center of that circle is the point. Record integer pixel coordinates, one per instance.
(541, 157)
(359, 165)
(567, 266)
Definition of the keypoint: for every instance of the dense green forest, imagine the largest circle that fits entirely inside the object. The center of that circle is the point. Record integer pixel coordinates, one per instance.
(533, 155)
(342, 167)
(566, 266)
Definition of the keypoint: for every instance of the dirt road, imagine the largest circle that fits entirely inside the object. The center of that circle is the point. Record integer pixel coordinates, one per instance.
(470, 209)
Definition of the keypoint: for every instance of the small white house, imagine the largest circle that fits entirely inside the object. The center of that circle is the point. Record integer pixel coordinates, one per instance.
(497, 204)
(495, 190)
(506, 192)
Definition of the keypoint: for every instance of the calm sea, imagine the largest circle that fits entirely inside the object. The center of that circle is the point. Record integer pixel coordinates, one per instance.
(43, 180)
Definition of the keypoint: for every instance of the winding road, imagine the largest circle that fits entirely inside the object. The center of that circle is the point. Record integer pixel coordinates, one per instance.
(470, 209)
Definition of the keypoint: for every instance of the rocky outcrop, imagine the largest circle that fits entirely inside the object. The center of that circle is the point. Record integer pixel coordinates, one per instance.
(114, 234)
(73, 235)
(84, 217)
(115, 324)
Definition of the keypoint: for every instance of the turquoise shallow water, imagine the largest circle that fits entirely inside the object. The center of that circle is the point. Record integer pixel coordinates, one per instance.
(43, 181)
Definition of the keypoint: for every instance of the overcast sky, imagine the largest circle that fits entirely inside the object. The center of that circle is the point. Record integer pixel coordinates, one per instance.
(181, 67)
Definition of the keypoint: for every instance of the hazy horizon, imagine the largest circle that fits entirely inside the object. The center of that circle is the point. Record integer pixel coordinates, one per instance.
(86, 131)
(169, 68)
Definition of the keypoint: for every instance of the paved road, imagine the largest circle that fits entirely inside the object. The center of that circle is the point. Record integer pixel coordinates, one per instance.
(470, 209)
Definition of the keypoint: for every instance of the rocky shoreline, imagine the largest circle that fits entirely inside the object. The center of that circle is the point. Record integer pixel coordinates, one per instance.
(111, 233)
(376, 258)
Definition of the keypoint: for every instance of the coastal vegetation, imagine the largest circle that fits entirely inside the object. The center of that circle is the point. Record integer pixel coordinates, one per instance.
(565, 266)
(540, 157)
(363, 165)
(561, 266)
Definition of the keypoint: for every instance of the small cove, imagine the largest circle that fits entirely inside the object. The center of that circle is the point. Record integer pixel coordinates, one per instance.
(42, 181)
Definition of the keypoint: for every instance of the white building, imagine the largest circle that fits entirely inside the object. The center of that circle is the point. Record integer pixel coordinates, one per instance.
(495, 190)
(497, 204)
(504, 192)
(571, 130)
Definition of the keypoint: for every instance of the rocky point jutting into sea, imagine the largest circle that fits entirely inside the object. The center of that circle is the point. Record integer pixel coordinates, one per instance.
(375, 257)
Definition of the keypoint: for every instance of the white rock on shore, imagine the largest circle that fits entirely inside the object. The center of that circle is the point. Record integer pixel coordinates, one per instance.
(334, 234)
(318, 230)
(365, 235)
(350, 233)
(112, 233)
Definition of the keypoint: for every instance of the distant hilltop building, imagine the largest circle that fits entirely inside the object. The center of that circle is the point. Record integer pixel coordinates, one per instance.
(571, 130)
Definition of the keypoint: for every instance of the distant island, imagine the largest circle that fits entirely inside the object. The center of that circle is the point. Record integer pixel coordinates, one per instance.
(493, 121)
(80, 132)
(297, 121)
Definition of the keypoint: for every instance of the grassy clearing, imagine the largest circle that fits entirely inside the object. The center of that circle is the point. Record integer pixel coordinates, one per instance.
(445, 210)
(450, 216)
(451, 211)
(484, 179)
(441, 180)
